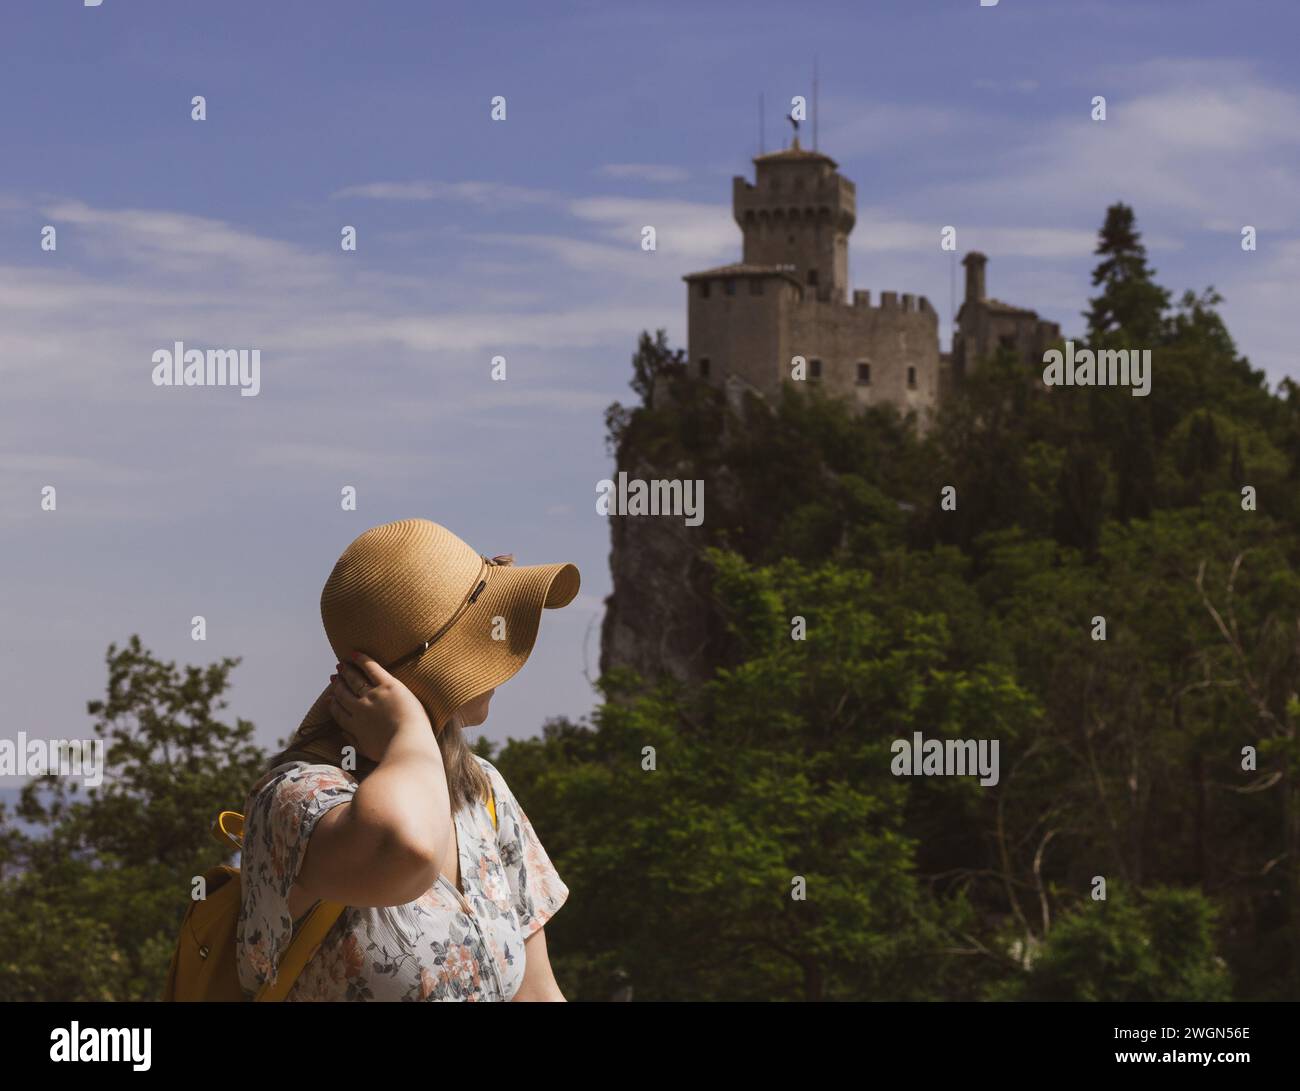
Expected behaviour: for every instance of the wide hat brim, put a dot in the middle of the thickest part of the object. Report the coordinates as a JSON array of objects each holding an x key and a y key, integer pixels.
[{"x": 486, "y": 647}]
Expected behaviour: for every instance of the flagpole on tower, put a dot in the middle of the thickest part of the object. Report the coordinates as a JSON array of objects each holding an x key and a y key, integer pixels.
[{"x": 814, "y": 119}]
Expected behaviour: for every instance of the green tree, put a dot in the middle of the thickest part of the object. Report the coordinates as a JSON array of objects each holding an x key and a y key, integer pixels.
[
  {"x": 106, "y": 873},
  {"x": 1156, "y": 947},
  {"x": 1081, "y": 491},
  {"x": 1135, "y": 464},
  {"x": 773, "y": 775},
  {"x": 1130, "y": 305}
]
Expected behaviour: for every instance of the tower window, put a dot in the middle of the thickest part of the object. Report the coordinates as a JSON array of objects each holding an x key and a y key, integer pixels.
[
  {"x": 911, "y": 377},
  {"x": 704, "y": 367},
  {"x": 864, "y": 374},
  {"x": 812, "y": 276},
  {"x": 814, "y": 369},
  {"x": 704, "y": 289},
  {"x": 755, "y": 285},
  {"x": 730, "y": 286}
]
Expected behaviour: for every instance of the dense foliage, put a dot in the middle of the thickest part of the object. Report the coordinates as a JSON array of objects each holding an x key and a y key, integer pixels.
[{"x": 1162, "y": 759}]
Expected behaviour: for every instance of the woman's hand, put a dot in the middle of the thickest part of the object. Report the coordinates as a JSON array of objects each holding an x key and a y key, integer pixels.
[
  {"x": 373, "y": 707},
  {"x": 385, "y": 845}
]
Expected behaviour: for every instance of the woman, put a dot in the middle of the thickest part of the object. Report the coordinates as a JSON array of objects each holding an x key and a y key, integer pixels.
[{"x": 379, "y": 804}]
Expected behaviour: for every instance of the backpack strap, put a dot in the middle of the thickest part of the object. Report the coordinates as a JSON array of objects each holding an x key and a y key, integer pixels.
[
  {"x": 301, "y": 948},
  {"x": 492, "y": 805}
]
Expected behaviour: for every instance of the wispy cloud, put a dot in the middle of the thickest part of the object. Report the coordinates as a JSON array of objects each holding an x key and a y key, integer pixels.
[
  {"x": 878, "y": 232},
  {"x": 405, "y": 346},
  {"x": 1198, "y": 149},
  {"x": 853, "y": 127},
  {"x": 645, "y": 172},
  {"x": 692, "y": 230},
  {"x": 480, "y": 193}
]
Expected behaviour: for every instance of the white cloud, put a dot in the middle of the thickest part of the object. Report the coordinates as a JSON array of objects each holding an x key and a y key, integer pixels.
[
  {"x": 1259, "y": 291},
  {"x": 691, "y": 230},
  {"x": 556, "y": 330},
  {"x": 627, "y": 260},
  {"x": 851, "y": 128},
  {"x": 1193, "y": 154},
  {"x": 346, "y": 352},
  {"x": 645, "y": 172},
  {"x": 877, "y": 232},
  {"x": 482, "y": 193}
]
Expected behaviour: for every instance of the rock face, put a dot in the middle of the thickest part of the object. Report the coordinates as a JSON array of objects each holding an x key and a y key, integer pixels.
[{"x": 659, "y": 621}]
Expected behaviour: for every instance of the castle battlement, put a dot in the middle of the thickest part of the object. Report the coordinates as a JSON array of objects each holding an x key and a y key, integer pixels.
[
  {"x": 794, "y": 199},
  {"x": 893, "y": 301}
]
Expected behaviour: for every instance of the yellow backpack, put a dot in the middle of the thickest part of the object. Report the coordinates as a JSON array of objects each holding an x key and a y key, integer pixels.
[{"x": 203, "y": 966}]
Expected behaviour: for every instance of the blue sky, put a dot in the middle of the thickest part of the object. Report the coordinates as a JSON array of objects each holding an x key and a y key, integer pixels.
[{"x": 520, "y": 238}]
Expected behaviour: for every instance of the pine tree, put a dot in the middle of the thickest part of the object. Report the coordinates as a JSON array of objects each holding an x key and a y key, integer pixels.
[{"x": 1131, "y": 304}]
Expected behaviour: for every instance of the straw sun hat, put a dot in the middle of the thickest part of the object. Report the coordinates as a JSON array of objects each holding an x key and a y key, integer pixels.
[{"x": 444, "y": 620}]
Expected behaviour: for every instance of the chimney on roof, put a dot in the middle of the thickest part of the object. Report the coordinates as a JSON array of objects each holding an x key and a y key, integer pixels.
[{"x": 975, "y": 263}]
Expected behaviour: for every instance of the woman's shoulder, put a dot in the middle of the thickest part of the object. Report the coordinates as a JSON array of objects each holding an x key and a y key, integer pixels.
[{"x": 302, "y": 778}]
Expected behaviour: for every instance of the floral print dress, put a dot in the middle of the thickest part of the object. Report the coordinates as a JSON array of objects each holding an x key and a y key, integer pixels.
[{"x": 442, "y": 946}]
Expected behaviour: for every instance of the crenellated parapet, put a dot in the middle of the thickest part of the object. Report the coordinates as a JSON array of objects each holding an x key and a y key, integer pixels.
[{"x": 905, "y": 302}]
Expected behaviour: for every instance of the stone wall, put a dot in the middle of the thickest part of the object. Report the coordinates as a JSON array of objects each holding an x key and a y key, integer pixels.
[
  {"x": 900, "y": 334},
  {"x": 742, "y": 334}
]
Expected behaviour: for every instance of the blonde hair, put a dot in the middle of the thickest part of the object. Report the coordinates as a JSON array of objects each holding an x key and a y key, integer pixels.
[{"x": 323, "y": 744}]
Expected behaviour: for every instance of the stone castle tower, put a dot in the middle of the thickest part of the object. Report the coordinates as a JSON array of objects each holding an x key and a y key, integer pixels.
[{"x": 789, "y": 296}]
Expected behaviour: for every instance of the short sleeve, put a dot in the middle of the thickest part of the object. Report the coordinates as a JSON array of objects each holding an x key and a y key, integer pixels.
[
  {"x": 279, "y": 816},
  {"x": 535, "y": 886}
]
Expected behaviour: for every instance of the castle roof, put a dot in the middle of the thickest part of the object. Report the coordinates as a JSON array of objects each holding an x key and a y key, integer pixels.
[
  {"x": 795, "y": 153},
  {"x": 998, "y": 307},
  {"x": 740, "y": 269}
]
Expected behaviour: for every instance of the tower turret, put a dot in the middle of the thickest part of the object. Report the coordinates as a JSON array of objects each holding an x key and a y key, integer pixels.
[
  {"x": 798, "y": 212},
  {"x": 975, "y": 263}
]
